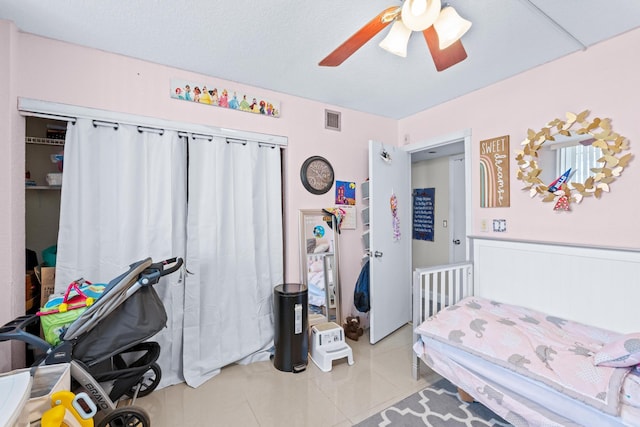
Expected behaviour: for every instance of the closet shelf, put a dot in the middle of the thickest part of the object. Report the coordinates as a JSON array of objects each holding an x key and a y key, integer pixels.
[
  {"x": 43, "y": 187},
  {"x": 365, "y": 216},
  {"x": 43, "y": 141},
  {"x": 365, "y": 190}
]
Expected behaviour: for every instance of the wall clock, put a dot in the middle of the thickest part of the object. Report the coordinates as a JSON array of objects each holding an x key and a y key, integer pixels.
[{"x": 316, "y": 174}]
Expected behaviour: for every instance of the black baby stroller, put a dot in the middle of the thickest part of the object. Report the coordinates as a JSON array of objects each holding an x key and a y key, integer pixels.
[{"x": 106, "y": 346}]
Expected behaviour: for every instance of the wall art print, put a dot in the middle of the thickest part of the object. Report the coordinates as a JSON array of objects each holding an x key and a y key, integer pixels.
[
  {"x": 345, "y": 193},
  {"x": 423, "y": 213},
  {"x": 224, "y": 97},
  {"x": 494, "y": 172}
]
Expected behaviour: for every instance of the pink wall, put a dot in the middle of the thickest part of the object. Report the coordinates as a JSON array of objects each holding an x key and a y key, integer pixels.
[
  {"x": 12, "y": 192},
  {"x": 603, "y": 79},
  {"x": 59, "y": 72}
]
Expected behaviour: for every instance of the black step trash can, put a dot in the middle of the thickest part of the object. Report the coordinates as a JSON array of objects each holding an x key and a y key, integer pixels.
[{"x": 291, "y": 337}]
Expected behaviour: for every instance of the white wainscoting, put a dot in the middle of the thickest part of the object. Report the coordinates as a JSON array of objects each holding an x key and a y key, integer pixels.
[{"x": 597, "y": 286}]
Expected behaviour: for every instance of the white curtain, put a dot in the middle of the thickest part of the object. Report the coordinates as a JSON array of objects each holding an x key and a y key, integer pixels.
[
  {"x": 235, "y": 253},
  {"x": 123, "y": 200}
]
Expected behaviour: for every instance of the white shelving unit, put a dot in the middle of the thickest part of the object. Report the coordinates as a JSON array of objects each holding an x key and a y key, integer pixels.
[
  {"x": 42, "y": 201},
  {"x": 365, "y": 216},
  {"x": 38, "y": 160},
  {"x": 42, "y": 187},
  {"x": 365, "y": 190},
  {"x": 43, "y": 141}
]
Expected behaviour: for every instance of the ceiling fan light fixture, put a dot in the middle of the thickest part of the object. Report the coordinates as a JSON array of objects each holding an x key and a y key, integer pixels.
[
  {"x": 421, "y": 21},
  {"x": 397, "y": 39},
  {"x": 418, "y": 7},
  {"x": 450, "y": 26}
]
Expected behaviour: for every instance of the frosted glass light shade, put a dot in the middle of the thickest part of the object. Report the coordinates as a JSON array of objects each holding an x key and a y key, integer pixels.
[
  {"x": 426, "y": 13},
  {"x": 397, "y": 39},
  {"x": 418, "y": 7},
  {"x": 450, "y": 27}
]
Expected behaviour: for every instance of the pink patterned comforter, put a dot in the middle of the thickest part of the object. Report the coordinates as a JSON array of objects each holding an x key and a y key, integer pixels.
[{"x": 555, "y": 351}]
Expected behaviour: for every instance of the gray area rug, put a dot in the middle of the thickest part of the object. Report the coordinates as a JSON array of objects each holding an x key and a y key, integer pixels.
[{"x": 438, "y": 406}]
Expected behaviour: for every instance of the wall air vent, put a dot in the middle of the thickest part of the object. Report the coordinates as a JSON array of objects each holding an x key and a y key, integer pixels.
[{"x": 332, "y": 120}]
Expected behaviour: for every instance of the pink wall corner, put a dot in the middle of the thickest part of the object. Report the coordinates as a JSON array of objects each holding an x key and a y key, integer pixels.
[
  {"x": 600, "y": 79},
  {"x": 12, "y": 210},
  {"x": 63, "y": 73}
]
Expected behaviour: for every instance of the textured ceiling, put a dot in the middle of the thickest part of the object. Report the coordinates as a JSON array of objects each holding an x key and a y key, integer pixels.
[{"x": 277, "y": 45}]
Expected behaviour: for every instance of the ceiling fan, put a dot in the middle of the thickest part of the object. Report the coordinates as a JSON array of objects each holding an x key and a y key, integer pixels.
[{"x": 441, "y": 27}]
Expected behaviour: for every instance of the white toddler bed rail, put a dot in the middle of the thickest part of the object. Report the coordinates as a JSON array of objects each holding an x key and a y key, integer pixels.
[{"x": 435, "y": 288}]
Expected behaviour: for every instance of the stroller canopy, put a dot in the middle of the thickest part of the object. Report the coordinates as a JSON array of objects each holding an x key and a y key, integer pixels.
[{"x": 127, "y": 313}]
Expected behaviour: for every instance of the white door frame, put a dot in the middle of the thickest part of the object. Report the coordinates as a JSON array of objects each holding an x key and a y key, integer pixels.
[
  {"x": 440, "y": 141},
  {"x": 456, "y": 199}
]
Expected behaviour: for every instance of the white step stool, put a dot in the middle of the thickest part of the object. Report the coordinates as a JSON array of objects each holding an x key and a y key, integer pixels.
[{"x": 327, "y": 345}]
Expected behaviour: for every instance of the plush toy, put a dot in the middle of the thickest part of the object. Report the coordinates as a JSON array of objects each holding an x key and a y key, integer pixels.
[{"x": 352, "y": 328}]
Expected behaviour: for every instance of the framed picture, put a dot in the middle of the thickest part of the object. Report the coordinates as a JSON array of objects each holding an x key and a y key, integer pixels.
[{"x": 345, "y": 193}]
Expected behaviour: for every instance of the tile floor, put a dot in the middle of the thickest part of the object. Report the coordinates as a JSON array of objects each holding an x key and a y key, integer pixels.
[{"x": 260, "y": 395}]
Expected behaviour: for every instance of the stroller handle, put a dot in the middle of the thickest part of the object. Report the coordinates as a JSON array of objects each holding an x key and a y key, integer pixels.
[
  {"x": 152, "y": 274},
  {"x": 16, "y": 330},
  {"x": 178, "y": 263}
]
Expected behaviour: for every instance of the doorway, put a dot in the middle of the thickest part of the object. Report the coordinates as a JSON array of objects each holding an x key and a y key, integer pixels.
[
  {"x": 441, "y": 167},
  {"x": 44, "y": 155},
  {"x": 389, "y": 168}
]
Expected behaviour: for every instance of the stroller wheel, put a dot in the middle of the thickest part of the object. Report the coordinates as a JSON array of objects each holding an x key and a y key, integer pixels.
[
  {"x": 148, "y": 382},
  {"x": 127, "y": 416}
]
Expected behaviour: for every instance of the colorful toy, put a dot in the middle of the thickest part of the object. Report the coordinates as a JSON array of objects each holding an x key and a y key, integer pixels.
[
  {"x": 60, "y": 311},
  {"x": 70, "y": 410}
]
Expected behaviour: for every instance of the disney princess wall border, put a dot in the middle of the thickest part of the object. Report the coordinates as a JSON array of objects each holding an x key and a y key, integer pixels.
[{"x": 223, "y": 97}]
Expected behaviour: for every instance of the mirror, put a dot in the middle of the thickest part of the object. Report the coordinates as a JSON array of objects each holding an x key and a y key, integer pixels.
[
  {"x": 575, "y": 154},
  {"x": 571, "y": 159},
  {"x": 319, "y": 265}
]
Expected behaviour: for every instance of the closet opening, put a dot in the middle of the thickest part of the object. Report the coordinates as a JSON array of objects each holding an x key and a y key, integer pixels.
[
  {"x": 123, "y": 196},
  {"x": 44, "y": 162},
  {"x": 441, "y": 170}
]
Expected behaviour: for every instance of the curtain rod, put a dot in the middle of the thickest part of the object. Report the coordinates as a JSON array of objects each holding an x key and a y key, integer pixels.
[
  {"x": 97, "y": 123},
  {"x": 69, "y": 113},
  {"x": 151, "y": 130},
  {"x": 53, "y": 116},
  {"x": 236, "y": 141},
  {"x": 141, "y": 129}
]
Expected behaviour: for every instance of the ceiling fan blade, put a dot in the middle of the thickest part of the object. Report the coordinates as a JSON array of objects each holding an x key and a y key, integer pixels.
[
  {"x": 357, "y": 40},
  {"x": 443, "y": 58}
]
